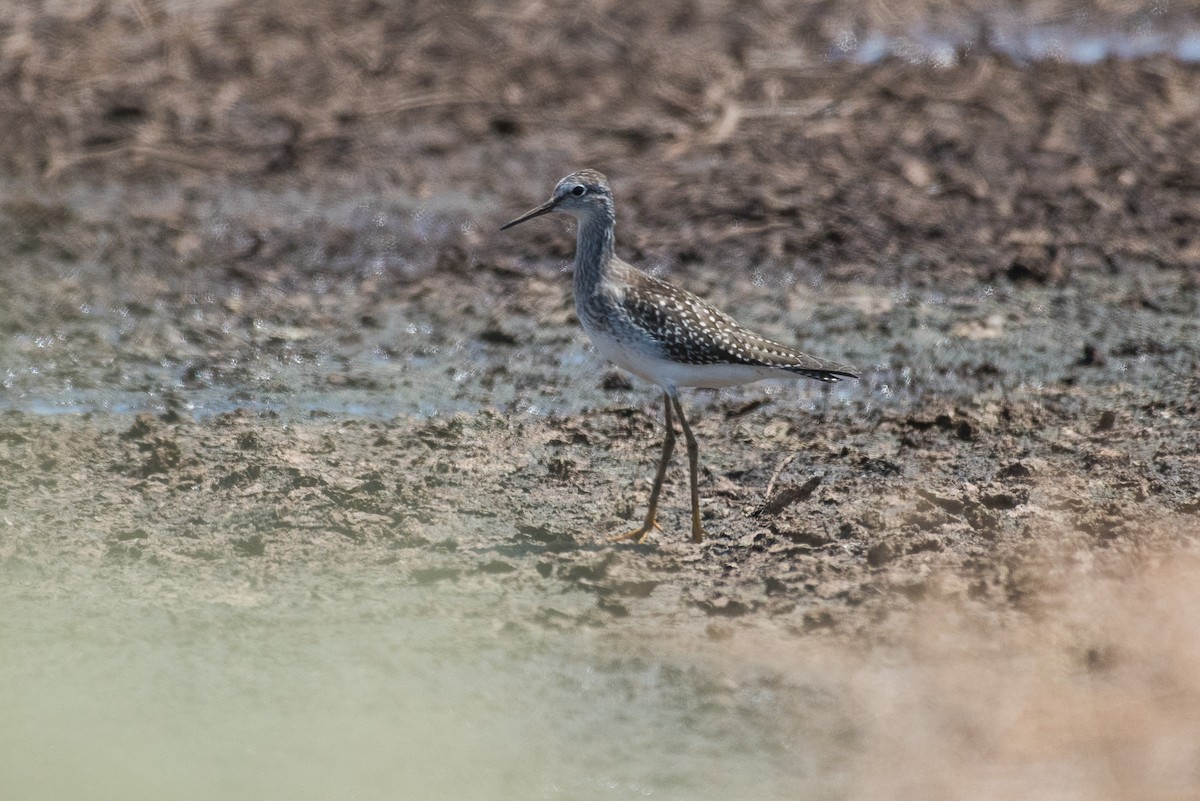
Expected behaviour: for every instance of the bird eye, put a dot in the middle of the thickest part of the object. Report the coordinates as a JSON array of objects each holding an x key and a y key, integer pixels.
[{"x": 578, "y": 191}]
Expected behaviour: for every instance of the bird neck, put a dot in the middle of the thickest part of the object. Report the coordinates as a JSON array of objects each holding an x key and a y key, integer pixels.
[{"x": 593, "y": 250}]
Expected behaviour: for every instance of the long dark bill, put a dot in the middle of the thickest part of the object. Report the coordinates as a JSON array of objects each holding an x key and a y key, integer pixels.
[{"x": 545, "y": 208}]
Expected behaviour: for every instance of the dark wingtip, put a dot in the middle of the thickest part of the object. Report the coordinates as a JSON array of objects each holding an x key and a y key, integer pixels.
[{"x": 828, "y": 376}]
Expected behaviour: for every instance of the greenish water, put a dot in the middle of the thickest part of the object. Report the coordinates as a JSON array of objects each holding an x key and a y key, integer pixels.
[{"x": 281, "y": 690}]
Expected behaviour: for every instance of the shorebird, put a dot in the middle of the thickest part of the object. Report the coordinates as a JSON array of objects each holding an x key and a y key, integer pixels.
[{"x": 659, "y": 332}]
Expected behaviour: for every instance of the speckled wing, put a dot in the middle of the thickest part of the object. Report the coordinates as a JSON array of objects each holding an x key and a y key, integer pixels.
[{"x": 693, "y": 332}]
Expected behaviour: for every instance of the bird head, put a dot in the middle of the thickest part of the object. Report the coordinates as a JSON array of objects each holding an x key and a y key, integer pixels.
[{"x": 583, "y": 194}]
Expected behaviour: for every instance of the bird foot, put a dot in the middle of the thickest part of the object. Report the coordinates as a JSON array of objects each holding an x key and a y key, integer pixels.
[{"x": 639, "y": 534}]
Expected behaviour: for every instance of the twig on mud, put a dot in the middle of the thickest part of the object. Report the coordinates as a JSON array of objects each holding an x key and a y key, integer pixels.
[
  {"x": 775, "y": 476},
  {"x": 57, "y": 167},
  {"x": 787, "y": 497},
  {"x": 735, "y": 231},
  {"x": 423, "y": 100}
]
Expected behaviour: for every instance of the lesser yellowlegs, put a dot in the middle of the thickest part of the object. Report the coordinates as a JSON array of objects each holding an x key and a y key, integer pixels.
[{"x": 659, "y": 332}]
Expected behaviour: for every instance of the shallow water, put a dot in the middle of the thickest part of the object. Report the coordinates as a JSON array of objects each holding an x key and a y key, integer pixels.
[
  {"x": 273, "y": 689},
  {"x": 927, "y": 344},
  {"x": 1079, "y": 41}
]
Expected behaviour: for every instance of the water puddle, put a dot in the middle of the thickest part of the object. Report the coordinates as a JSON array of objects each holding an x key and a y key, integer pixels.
[
  {"x": 932, "y": 346},
  {"x": 1079, "y": 40},
  {"x": 285, "y": 691}
]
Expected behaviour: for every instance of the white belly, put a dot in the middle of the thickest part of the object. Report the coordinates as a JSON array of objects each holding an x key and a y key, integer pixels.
[{"x": 650, "y": 366}]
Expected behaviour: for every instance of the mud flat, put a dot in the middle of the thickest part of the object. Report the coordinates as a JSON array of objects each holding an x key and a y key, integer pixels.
[{"x": 306, "y": 472}]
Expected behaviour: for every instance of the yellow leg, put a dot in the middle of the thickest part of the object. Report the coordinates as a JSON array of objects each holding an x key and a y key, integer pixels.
[
  {"x": 693, "y": 451},
  {"x": 640, "y": 533}
]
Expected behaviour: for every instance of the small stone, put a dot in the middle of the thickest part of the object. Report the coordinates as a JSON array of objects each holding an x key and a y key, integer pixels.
[
  {"x": 999, "y": 501},
  {"x": 1016, "y": 470},
  {"x": 614, "y": 381},
  {"x": 880, "y": 554},
  {"x": 723, "y": 607}
]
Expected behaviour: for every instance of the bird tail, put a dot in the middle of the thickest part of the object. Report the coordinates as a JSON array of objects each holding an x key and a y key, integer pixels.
[{"x": 828, "y": 376}]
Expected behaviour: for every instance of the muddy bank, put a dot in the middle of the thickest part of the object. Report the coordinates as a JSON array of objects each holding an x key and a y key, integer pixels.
[{"x": 834, "y": 517}]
